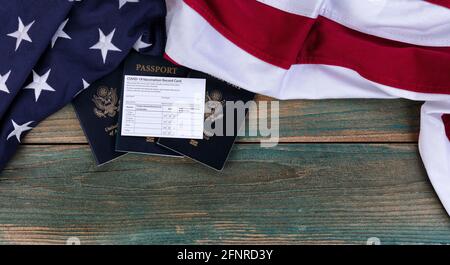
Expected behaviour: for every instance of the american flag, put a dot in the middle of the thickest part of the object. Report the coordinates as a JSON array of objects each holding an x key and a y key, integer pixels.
[
  {"x": 315, "y": 49},
  {"x": 53, "y": 49}
]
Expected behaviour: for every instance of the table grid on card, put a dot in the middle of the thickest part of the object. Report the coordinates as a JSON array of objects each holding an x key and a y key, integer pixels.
[{"x": 162, "y": 108}]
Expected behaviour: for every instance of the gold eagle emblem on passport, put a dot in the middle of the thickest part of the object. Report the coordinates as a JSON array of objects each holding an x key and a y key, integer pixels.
[
  {"x": 107, "y": 105},
  {"x": 106, "y": 102},
  {"x": 215, "y": 103}
]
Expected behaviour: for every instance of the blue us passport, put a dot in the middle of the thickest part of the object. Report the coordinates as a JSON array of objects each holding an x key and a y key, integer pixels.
[
  {"x": 98, "y": 108},
  {"x": 213, "y": 150},
  {"x": 144, "y": 65}
]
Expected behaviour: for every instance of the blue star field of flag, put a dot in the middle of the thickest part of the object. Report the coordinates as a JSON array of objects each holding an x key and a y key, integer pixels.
[{"x": 53, "y": 49}]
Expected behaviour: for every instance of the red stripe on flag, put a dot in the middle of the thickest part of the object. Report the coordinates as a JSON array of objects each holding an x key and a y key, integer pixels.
[
  {"x": 283, "y": 39},
  {"x": 167, "y": 57},
  {"x": 392, "y": 63},
  {"x": 446, "y": 119},
  {"x": 445, "y": 3},
  {"x": 270, "y": 34}
]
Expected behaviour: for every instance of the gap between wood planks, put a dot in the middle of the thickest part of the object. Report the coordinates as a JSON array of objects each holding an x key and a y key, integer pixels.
[{"x": 255, "y": 143}]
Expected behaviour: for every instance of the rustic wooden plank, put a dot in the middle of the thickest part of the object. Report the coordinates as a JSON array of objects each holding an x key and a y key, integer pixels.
[
  {"x": 300, "y": 121},
  {"x": 293, "y": 193}
]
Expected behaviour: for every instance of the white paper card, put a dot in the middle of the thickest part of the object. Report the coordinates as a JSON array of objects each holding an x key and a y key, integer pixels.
[{"x": 165, "y": 107}]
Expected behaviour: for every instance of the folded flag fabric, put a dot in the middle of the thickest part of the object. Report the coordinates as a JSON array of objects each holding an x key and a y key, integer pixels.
[
  {"x": 25, "y": 33},
  {"x": 315, "y": 49},
  {"x": 63, "y": 46}
]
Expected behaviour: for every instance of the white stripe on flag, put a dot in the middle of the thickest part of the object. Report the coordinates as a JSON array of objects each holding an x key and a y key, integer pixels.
[{"x": 411, "y": 21}]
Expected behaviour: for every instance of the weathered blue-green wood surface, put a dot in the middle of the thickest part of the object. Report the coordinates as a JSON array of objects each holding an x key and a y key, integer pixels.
[{"x": 346, "y": 171}]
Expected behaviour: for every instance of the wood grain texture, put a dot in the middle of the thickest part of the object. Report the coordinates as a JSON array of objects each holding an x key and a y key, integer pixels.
[
  {"x": 300, "y": 121},
  {"x": 293, "y": 193}
]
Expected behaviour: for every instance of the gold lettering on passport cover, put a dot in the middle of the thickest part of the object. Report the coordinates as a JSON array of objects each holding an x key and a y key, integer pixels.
[
  {"x": 193, "y": 143},
  {"x": 150, "y": 139},
  {"x": 156, "y": 69},
  {"x": 107, "y": 105},
  {"x": 112, "y": 130}
]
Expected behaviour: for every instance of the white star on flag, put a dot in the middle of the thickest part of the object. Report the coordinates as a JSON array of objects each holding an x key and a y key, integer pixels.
[
  {"x": 141, "y": 44},
  {"x": 85, "y": 84},
  {"x": 39, "y": 84},
  {"x": 123, "y": 2},
  {"x": 105, "y": 44},
  {"x": 22, "y": 33},
  {"x": 19, "y": 129},
  {"x": 60, "y": 33},
  {"x": 3, "y": 80}
]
